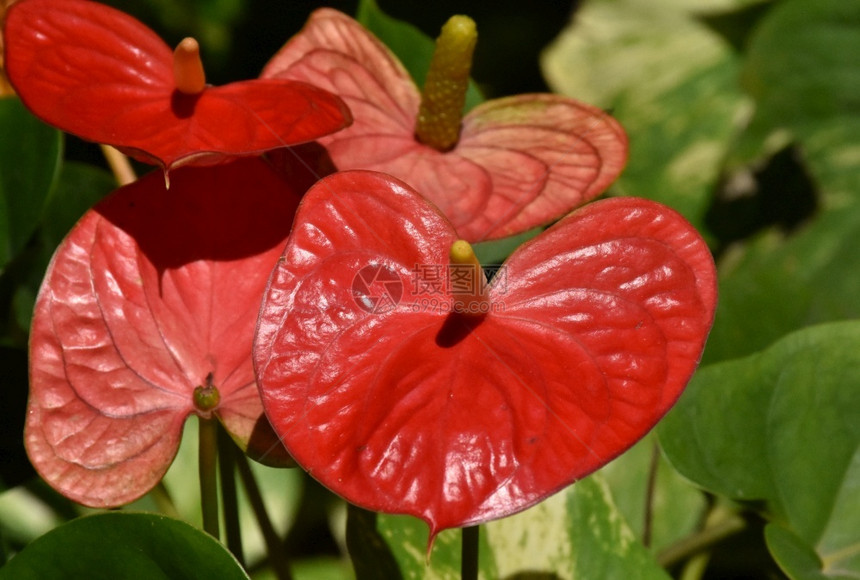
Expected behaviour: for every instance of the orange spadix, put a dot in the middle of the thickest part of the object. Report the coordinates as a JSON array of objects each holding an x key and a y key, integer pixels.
[
  {"x": 467, "y": 282},
  {"x": 188, "y": 71}
]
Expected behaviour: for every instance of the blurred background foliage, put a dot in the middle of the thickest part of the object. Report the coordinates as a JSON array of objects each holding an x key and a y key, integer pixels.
[
  {"x": 742, "y": 115},
  {"x": 239, "y": 36}
]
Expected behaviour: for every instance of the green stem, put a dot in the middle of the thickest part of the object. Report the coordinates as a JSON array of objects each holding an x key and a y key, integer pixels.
[
  {"x": 470, "y": 538},
  {"x": 229, "y": 499},
  {"x": 695, "y": 567},
  {"x": 369, "y": 551},
  {"x": 208, "y": 460},
  {"x": 164, "y": 502},
  {"x": 277, "y": 557},
  {"x": 649, "y": 494},
  {"x": 119, "y": 165},
  {"x": 721, "y": 527}
]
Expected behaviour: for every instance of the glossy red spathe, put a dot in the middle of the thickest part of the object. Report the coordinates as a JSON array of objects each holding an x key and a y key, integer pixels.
[
  {"x": 152, "y": 294},
  {"x": 384, "y": 395},
  {"x": 520, "y": 162},
  {"x": 94, "y": 71}
]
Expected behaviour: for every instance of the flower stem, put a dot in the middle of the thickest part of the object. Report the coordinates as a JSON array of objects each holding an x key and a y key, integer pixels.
[
  {"x": 277, "y": 557},
  {"x": 720, "y": 525},
  {"x": 470, "y": 537},
  {"x": 163, "y": 501},
  {"x": 695, "y": 567},
  {"x": 208, "y": 460},
  {"x": 444, "y": 92},
  {"x": 119, "y": 165},
  {"x": 229, "y": 499},
  {"x": 650, "y": 488}
]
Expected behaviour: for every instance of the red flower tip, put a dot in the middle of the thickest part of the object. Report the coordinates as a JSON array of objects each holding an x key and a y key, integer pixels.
[{"x": 188, "y": 71}]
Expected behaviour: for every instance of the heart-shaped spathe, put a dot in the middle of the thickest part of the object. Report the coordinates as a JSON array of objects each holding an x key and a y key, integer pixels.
[
  {"x": 393, "y": 401},
  {"x": 152, "y": 294}
]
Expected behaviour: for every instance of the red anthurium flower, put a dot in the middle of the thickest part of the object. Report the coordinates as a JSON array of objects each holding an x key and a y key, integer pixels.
[
  {"x": 96, "y": 72},
  {"x": 408, "y": 387},
  {"x": 153, "y": 295},
  {"x": 519, "y": 162}
]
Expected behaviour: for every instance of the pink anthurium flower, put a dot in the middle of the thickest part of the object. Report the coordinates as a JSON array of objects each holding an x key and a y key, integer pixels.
[
  {"x": 519, "y": 162},
  {"x": 145, "y": 316},
  {"x": 97, "y": 72},
  {"x": 403, "y": 383}
]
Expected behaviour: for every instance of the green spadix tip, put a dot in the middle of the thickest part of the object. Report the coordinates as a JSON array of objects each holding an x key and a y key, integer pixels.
[
  {"x": 444, "y": 93},
  {"x": 460, "y": 29},
  {"x": 206, "y": 398}
]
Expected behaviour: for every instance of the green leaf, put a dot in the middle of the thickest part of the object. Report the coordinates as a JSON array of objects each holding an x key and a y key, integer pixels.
[
  {"x": 802, "y": 72},
  {"x": 212, "y": 22},
  {"x": 801, "y": 69},
  {"x": 781, "y": 427},
  {"x": 80, "y": 186},
  {"x": 77, "y": 189},
  {"x": 405, "y": 539},
  {"x": 677, "y": 506},
  {"x": 30, "y": 157},
  {"x": 801, "y": 66},
  {"x": 497, "y": 251},
  {"x": 736, "y": 24},
  {"x": 605, "y": 547},
  {"x": 123, "y": 545},
  {"x": 412, "y": 47},
  {"x": 315, "y": 568},
  {"x": 669, "y": 80},
  {"x": 576, "y": 534},
  {"x": 777, "y": 285},
  {"x": 680, "y": 136},
  {"x": 794, "y": 557}
]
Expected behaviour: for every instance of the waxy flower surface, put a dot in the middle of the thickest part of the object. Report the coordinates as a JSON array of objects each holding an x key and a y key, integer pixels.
[
  {"x": 403, "y": 392},
  {"x": 154, "y": 294},
  {"x": 519, "y": 162},
  {"x": 96, "y": 72}
]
